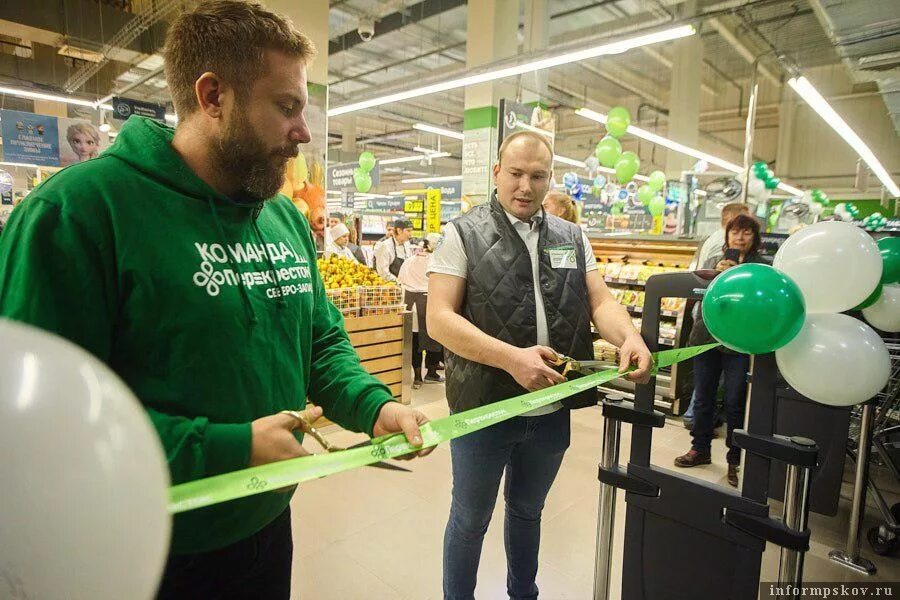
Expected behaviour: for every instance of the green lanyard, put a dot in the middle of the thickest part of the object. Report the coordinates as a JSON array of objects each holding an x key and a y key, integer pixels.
[{"x": 272, "y": 476}]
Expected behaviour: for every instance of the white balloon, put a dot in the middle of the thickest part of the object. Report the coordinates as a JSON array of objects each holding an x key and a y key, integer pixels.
[
  {"x": 836, "y": 360},
  {"x": 836, "y": 265},
  {"x": 83, "y": 511},
  {"x": 885, "y": 313}
]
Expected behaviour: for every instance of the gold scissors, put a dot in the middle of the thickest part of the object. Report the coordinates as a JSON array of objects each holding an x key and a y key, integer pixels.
[
  {"x": 582, "y": 367},
  {"x": 329, "y": 447}
]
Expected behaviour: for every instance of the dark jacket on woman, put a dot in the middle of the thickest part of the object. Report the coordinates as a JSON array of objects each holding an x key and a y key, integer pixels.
[{"x": 700, "y": 334}]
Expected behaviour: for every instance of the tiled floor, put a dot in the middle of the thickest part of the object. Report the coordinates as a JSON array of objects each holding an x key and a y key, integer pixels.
[{"x": 373, "y": 534}]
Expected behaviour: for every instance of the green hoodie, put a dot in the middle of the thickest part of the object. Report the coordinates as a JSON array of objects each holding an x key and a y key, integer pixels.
[{"x": 212, "y": 311}]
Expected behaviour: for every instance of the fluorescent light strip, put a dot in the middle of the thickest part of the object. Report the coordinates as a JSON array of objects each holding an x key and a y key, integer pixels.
[
  {"x": 577, "y": 163},
  {"x": 439, "y": 131},
  {"x": 405, "y": 159},
  {"x": 528, "y": 67},
  {"x": 538, "y": 130},
  {"x": 170, "y": 118},
  {"x": 15, "y": 164},
  {"x": 427, "y": 151},
  {"x": 673, "y": 145},
  {"x": 812, "y": 97},
  {"x": 432, "y": 179}
]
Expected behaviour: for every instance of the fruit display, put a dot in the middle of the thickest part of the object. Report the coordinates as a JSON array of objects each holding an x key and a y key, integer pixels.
[
  {"x": 381, "y": 295},
  {"x": 357, "y": 290},
  {"x": 368, "y": 311},
  {"x": 339, "y": 272}
]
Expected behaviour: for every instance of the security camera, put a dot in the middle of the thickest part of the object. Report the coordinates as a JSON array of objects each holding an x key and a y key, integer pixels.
[{"x": 366, "y": 29}]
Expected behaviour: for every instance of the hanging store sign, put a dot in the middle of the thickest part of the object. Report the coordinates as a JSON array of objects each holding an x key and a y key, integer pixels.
[
  {"x": 125, "y": 107},
  {"x": 340, "y": 177}
]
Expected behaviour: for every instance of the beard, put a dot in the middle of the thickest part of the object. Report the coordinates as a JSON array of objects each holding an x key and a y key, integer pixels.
[{"x": 258, "y": 169}]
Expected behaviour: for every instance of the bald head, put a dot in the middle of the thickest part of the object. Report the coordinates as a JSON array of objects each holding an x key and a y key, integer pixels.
[{"x": 522, "y": 173}]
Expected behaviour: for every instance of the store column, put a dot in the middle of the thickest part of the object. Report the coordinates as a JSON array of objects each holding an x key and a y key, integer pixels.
[
  {"x": 786, "y": 112},
  {"x": 492, "y": 26},
  {"x": 684, "y": 102},
  {"x": 537, "y": 36}
]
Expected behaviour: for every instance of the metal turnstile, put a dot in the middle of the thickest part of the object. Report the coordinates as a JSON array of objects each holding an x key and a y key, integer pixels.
[{"x": 686, "y": 538}]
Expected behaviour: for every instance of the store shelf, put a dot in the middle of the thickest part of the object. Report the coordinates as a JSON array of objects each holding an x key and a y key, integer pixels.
[
  {"x": 639, "y": 310},
  {"x": 624, "y": 281}
]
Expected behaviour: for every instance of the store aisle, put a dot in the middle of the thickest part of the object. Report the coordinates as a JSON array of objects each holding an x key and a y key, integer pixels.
[{"x": 372, "y": 534}]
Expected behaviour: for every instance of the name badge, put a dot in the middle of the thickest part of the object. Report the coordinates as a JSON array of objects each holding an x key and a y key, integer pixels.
[{"x": 562, "y": 257}]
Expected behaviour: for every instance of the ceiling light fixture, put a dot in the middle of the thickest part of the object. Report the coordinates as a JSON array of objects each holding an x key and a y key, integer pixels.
[
  {"x": 170, "y": 118},
  {"x": 577, "y": 163},
  {"x": 527, "y": 67},
  {"x": 432, "y": 179},
  {"x": 673, "y": 145},
  {"x": 439, "y": 131},
  {"x": 812, "y": 97},
  {"x": 405, "y": 159}
]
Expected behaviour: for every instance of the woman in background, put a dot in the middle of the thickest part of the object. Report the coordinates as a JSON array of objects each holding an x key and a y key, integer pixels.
[
  {"x": 413, "y": 278},
  {"x": 742, "y": 243},
  {"x": 559, "y": 204}
]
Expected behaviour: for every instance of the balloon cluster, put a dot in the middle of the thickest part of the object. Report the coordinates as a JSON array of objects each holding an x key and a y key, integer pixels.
[
  {"x": 874, "y": 222},
  {"x": 362, "y": 179},
  {"x": 766, "y": 175},
  {"x": 846, "y": 211},
  {"x": 793, "y": 308},
  {"x": 649, "y": 195},
  {"x": 573, "y": 185},
  {"x": 609, "y": 150},
  {"x": 819, "y": 197}
]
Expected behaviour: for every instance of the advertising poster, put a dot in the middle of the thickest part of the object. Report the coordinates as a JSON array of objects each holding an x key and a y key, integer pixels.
[
  {"x": 79, "y": 140},
  {"x": 29, "y": 138},
  {"x": 515, "y": 116}
]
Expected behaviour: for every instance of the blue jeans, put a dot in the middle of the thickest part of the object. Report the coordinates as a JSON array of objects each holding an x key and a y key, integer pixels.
[
  {"x": 530, "y": 451},
  {"x": 707, "y": 369}
]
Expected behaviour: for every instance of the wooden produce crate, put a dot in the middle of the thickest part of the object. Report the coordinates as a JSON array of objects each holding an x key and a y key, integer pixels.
[{"x": 384, "y": 345}]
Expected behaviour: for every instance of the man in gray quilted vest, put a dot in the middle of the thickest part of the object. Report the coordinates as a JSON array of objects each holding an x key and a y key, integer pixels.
[{"x": 509, "y": 286}]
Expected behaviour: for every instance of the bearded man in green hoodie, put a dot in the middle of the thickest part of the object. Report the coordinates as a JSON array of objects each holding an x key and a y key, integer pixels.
[{"x": 173, "y": 259}]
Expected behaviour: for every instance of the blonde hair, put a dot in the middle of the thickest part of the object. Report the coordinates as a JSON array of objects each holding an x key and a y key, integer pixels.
[
  {"x": 542, "y": 139},
  {"x": 733, "y": 209},
  {"x": 569, "y": 212},
  {"x": 228, "y": 38},
  {"x": 83, "y": 129}
]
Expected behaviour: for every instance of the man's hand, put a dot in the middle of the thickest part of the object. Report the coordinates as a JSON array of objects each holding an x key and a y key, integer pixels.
[
  {"x": 634, "y": 351},
  {"x": 273, "y": 437},
  {"x": 529, "y": 368},
  {"x": 394, "y": 417}
]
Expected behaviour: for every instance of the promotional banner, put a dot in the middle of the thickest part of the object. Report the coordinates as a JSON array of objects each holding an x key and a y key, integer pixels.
[
  {"x": 29, "y": 138},
  {"x": 433, "y": 211}
]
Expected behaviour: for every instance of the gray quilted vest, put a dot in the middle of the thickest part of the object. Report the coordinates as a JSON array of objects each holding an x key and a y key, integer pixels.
[{"x": 499, "y": 301}]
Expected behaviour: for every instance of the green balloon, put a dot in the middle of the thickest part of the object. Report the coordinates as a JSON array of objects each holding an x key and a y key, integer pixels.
[
  {"x": 645, "y": 194},
  {"x": 627, "y": 166},
  {"x": 362, "y": 180},
  {"x": 657, "y": 206},
  {"x": 890, "y": 259},
  {"x": 608, "y": 151},
  {"x": 617, "y": 121},
  {"x": 753, "y": 309},
  {"x": 872, "y": 299},
  {"x": 771, "y": 184},
  {"x": 657, "y": 180},
  {"x": 366, "y": 161}
]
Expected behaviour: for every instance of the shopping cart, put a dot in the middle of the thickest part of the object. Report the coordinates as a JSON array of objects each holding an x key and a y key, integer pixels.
[{"x": 883, "y": 452}]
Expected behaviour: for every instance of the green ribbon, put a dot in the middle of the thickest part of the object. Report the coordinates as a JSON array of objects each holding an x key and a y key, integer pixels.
[{"x": 272, "y": 476}]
